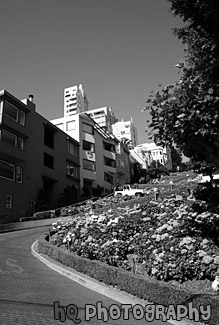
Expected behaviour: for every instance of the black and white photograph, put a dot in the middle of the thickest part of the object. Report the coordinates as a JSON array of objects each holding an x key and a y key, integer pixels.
[{"x": 109, "y": 162}]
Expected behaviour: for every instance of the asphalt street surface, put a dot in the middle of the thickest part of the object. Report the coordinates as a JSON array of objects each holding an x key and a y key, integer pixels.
[{"x": 31, "y": 292}]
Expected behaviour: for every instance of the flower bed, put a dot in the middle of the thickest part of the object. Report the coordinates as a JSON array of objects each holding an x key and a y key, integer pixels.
[
  {"x": 144, "y": 287},
  {"x": 166, "y": 240}
]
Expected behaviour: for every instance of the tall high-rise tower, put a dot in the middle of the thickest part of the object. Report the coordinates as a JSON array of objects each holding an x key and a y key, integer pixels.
[
  {"x": 75, "y": 100},
  {"x": 126, "y": 130},
  {"x": 103, "y": 116}
]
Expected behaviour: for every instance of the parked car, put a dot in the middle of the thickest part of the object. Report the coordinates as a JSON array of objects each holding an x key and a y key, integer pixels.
[{"x": 129, "y": 190}]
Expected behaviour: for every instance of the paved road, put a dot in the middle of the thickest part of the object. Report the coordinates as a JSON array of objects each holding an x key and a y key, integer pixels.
[{"x": 28, "y": 288}]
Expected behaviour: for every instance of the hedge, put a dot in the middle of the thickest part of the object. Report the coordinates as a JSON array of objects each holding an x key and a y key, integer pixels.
[{"x": 142, "y": 287}]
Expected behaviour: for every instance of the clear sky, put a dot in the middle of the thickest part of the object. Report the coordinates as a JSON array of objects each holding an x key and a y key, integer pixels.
[{"x": 119, "y": 50}]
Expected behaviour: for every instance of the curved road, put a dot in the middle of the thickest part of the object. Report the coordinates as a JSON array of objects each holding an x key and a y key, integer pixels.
[{"x": 28, "y": 288}]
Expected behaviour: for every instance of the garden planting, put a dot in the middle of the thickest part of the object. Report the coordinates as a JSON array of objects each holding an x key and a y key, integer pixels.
[
  {"x": 166, "y": 239},
  {"x": 161, "y": 249}
]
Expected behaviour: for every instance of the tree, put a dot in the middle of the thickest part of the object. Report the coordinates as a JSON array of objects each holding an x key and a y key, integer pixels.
[
  {"x": 200, "y": 165},
  {"x": 156, "y": 169},
  {"x": 187, "y": 112},
  {"x": 136, "y": 172},
  {"x": 126, "y": 142},
  {"x": 204, "y": 168},
  {"x": 176, "y": 158},
  {"x": 200, "y": 34}
]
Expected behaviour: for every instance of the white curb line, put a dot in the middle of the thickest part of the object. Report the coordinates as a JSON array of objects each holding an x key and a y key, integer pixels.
[{"x": 112, "y": 293}]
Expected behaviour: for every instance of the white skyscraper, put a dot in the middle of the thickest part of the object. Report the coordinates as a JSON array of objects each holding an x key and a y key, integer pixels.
[
  {"x": 75, "y": 100},
  {"x": 103, "y": 116},
  {"x": 126, "y": 130}
]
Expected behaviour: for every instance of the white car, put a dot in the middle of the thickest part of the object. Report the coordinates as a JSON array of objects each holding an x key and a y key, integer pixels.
[{"x": 129, "y": 190}]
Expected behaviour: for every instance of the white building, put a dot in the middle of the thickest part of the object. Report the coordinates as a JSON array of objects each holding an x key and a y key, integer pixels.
[
  {"x": 75, "y": 100},
  {"x": 151, "y": 152},
  {"x": 103, "y": 116},
  {"x": 138, "y": 157},
  {"x": 97, "y": 150},
  {"x": 126, "y": 130}
]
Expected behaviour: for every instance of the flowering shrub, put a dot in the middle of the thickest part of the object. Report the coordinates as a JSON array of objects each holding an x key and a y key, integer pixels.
[{"x": 166, "y": 240}]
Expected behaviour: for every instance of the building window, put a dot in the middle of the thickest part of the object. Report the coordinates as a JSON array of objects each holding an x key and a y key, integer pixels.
[
  {"x": 10, "y": 111},
  {"x": 20, "y": 143},
  {"x": 48, "y": 138},
  {"x": 70, "y": 125},
  {"x": 118, "y": 148},
  {"x": 15, "y": 114},
  {"x": 89, "y": 165},
  {"x": 72, "y": 149},
  {"x": 89, "y": 146},
  {"x": 109, "y": 162},
  {"x": 72, "y": 170},
  {"x": 22, "y": 118},
  {"x": 72, "y": 110},
  {"x": 48, "y": 160},
  {"x": 9, "y": 137},
  {"x": 108, "y": 146},
  {"x": 108, "y": 178},
  {"x": 87, "y": 128},
  {"x": 19, "y": 174},
  {"x": 7, "y": 170},
  {"x": 8, "y": 201},
  {"x": 12, "y": 139},
  {"x": 99, "y": 113}
]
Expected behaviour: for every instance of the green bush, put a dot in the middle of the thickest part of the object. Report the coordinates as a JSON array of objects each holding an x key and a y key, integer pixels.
[
  {"x": 199, "y": 206},
  {"x": 207, "y": 193},
  {"x": 57, "y": 212},
  {"x": 157, "y": 292}
]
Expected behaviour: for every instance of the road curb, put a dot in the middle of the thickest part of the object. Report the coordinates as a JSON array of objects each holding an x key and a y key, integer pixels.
[{"x": 113, "y": 293}]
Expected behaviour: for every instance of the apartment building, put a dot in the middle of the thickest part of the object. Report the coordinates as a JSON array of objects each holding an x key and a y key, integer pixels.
[
  {"x": 126, "y": 130},
  {"x": 98, "y": 151},
  {"x": 106, "y": 160},
  {"x": 103, "y": 116},
  {"x": 37, "y": 160},
  {"x": 75, "y": 100}
]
